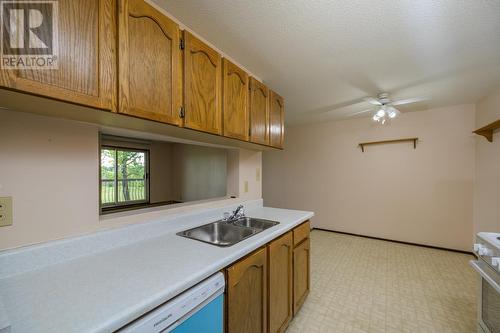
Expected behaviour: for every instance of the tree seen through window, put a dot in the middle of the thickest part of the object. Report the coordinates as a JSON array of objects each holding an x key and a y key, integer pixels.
[{"x": 123, "y": 176}]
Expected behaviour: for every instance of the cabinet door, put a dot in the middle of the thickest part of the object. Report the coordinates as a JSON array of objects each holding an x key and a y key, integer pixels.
[
  {"x": 202, "y": 86},
  {"x": 247, "y": 294},
  {"x": 148, "y": 63},
  {"x": 280, "y": 283},
  {"x": 259, "y": 112},
  {"x": 86, "y": 72},
  {"x": 235, "y": 101},
  {"x": 276, "y": 120},
  {"x": 301, "y": 274}
]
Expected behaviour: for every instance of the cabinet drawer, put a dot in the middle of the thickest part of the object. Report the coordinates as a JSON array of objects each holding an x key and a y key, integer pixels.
[{"x": 301, "y": 232}]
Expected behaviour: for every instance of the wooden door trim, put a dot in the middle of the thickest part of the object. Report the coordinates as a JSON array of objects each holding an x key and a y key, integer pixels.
[
  {"x": 237, "y": 73},
  {"x": 214, "y": 63}
]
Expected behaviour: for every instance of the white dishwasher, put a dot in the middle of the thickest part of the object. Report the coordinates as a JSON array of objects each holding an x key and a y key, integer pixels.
[{"x": 199, "y": 309}]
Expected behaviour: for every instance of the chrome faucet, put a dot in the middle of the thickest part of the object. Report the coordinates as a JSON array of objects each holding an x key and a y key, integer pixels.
[{"x": 237, "y": 214}]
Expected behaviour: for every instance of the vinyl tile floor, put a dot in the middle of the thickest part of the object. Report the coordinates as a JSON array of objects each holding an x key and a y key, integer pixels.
[{"x": 366, "y": 285}]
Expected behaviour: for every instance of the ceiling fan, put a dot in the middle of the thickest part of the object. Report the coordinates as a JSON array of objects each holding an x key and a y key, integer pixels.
[{"x": 385, "y": 107}]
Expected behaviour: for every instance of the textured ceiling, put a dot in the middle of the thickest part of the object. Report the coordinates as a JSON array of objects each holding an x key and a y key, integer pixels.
[{"x": 325, "y": 56}]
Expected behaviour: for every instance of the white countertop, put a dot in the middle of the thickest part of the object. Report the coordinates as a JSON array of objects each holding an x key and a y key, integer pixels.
[
  {"x": 101, "y": 292},
  {"x": 492, "y": 237}
]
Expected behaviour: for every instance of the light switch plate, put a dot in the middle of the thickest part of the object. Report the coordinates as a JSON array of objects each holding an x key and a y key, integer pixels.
[
  {"x": 5, "y": 211},
  {"x": 246, "y": 186},
  {"x": 257, "y": 175}
]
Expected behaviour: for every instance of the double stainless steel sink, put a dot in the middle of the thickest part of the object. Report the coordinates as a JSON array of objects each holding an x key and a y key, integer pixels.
[{"x": 225, "y": 233}]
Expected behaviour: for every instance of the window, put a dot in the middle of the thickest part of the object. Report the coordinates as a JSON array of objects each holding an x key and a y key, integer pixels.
[
  {"x": 137, "y": 173},
  {"x": 124, "y": 176}
]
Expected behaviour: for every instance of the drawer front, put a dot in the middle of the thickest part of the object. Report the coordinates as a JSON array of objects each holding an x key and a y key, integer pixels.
[{"x": 301, "y": 232}]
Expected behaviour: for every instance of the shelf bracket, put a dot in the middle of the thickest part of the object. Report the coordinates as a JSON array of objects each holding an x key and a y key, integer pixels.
[
  {"x": 487, "y": 131},
  {"x": 488, "y": 134}
]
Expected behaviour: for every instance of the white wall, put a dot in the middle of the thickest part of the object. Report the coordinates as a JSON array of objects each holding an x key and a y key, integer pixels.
[
  {"x": 487, "y": 187},
  {"x": 200, "y": 172},
  {"x": 250, "y": 172},
  {"x": 391, "y": 191},
  {"x": 50, "y": 168},
  {"x": 161, "y": 187}
]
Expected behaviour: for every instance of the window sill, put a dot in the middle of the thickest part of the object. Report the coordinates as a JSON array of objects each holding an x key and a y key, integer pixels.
[
  {"x": 146, "y": 211},
  {"x": 125, "y": 208}
]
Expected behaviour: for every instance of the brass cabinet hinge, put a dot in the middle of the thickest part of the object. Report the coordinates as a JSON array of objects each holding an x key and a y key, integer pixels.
[
  {"x": 182, "y": 113},
  {"x": 181, "y": 44}
]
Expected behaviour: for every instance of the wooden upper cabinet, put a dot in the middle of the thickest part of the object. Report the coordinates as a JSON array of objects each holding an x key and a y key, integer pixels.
[
  {"x": 276, "y": 120},
  {"x": 247, "y": 294},
  {"x": 202, "y": 86},
  {"x": 280, "y": 283},
  {"x": 235, "y": 101},
  {"x": 86, "y": 72},
  {"x": 149, "y": 63},
  {"x": 259, "y": 112}
]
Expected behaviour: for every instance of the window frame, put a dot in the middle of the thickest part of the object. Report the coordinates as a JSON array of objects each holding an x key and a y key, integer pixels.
[{"x": 116, "y": 206}]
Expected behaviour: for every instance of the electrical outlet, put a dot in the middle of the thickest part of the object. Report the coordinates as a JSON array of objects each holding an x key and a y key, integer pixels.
[
  {"x": 245, "y": 186},
  {"x": 5, "y": 211},
  {"x": 257, "y": 175}
]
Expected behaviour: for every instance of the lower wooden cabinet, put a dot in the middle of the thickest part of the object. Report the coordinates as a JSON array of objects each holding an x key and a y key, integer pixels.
[
  {"x": 247, "y": 294},
  {"x": 301, "y": 274},
  {"x": 266, "y": 289},
  {"x": 280, "y": 253}
]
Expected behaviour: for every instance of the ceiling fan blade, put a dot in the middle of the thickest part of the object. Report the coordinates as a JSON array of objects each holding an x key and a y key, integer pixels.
[
  {"x": 409, "y": 100},
  {"x": 372, "y": 100},
  {"x": 360, "y": 112}
]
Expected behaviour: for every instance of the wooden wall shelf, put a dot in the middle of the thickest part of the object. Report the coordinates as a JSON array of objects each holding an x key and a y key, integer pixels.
[
  {"x": 363, "y": 144},
  {"x": 487, "y": 131}
]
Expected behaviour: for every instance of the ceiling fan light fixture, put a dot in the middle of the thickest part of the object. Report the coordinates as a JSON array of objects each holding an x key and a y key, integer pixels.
[
  {"x": 384, "y": 110},
  {"x": 384, "y": 114}
]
